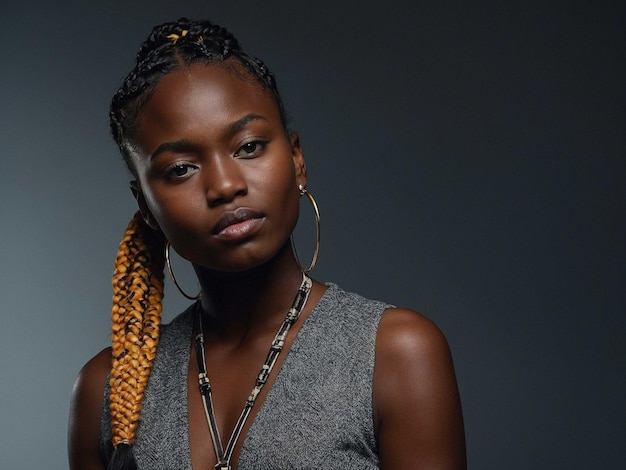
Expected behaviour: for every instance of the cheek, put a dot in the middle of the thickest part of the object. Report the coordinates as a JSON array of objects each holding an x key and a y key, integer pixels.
[
  {"x": 286, "y": 200},
  {"x": 277, "y": 182},
  {"x": 174, "y": 211}
]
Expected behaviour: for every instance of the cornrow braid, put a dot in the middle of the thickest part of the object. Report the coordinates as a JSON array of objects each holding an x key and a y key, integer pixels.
[
  {"x": 136, "y": 315},
  {"x": 169, "y": 47}
]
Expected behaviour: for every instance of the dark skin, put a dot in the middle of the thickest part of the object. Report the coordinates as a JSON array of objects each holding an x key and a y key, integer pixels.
[{"x": 208, "y": 143}]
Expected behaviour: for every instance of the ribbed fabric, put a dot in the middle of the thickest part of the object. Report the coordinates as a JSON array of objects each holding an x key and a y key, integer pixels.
[{"x": 318, "y": 413}]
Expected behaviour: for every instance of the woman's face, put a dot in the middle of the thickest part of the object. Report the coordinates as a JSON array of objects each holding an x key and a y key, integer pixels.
[{"x": 216, "y": 171}]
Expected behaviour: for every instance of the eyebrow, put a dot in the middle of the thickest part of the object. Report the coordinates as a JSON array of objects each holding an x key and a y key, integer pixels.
[
  {"x": 243, "y": 122},
  {"x": 182, "y": 146}
]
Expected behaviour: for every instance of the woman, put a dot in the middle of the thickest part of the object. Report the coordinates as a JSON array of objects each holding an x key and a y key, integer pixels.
[{"x": 217, "y": 177}]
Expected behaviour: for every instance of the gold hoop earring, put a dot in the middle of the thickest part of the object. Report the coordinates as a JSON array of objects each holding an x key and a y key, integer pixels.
[
  {"x": 169, "y": 269},
  {"x": 304, "y": 192}
]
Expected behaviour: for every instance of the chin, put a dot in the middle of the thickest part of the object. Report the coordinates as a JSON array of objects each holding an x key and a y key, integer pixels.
[{"x": 230, "y": 268}]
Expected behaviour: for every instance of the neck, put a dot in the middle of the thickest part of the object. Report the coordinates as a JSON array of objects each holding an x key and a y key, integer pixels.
[{"x": 237, "y": 304}]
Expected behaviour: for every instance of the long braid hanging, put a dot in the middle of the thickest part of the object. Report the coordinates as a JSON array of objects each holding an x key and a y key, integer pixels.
[
  {"x": 138, "y": 278},
  {"x": 136, "y": 315}
]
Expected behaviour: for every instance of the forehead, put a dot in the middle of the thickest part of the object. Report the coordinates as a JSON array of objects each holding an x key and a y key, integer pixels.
[{"x": 205, "y": 95}]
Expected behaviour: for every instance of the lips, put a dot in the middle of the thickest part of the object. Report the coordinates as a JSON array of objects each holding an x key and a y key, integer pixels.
[{"x": 238, "y": 218}]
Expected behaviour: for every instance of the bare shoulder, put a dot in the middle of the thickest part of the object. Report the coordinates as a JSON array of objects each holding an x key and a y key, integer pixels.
[
  {"x": 403, "y": 332},
  {"x": 85, "y": 411},
  {"x": 91, "y": 380},
  {"x": 417, "y": 411}
]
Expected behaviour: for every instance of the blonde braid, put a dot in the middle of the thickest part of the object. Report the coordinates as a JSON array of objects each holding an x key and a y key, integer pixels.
[{"x": 136, "y": 315}]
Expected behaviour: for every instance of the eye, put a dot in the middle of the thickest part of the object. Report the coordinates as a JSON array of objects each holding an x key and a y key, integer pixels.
[
  {"x": 179, "y": 170},
  {"x": 250, "y": 149}
]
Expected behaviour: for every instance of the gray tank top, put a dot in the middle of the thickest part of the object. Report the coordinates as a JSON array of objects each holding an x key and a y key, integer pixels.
[{"x": 318, "y": 413}]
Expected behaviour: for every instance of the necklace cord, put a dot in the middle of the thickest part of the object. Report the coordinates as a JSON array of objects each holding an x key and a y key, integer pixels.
[
  {"x": 223, "y": 458},
  {"x": 205, "y": 391}
]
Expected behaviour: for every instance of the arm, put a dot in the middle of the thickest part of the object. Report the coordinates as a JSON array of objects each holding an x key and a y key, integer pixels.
[
  {"x": 85, "y": 412},
  {"x": 417, "y": 410}
]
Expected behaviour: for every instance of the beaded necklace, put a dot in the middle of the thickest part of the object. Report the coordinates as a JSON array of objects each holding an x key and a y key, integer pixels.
[{"x": 223, "y": 457}]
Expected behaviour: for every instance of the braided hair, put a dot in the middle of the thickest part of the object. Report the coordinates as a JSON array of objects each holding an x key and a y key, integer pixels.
[
  {"x": 169, "y": 47},
  {"x": 138, "y": 275}
]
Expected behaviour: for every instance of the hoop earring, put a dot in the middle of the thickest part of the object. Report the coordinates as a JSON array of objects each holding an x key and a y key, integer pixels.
[
  {"x": 169, "y": 269},
  {"x": 305, "y": 192}
]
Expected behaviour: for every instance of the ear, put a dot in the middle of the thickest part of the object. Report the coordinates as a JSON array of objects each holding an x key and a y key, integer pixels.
[
  {"x": 298, "y": 158},
  {"x": 143, "y": 206}
]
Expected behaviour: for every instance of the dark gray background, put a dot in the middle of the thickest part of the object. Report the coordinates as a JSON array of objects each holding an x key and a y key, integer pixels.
[{"x": 468, "y": 159}]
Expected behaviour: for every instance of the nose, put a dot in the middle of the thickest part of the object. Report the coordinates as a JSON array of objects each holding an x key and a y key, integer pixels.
[{"x": 224, "y": 180}]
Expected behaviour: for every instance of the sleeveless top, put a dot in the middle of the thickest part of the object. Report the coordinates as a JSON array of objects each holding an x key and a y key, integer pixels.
[{"x": 317, "y": 414}]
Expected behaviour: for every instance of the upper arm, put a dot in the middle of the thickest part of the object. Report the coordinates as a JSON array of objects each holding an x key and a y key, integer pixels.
[
  {"x": 85, "y": 412},
  {"x": 417, "y": 411}
]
